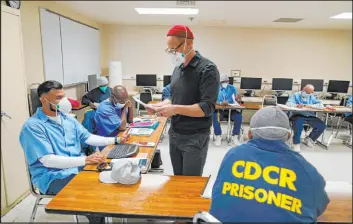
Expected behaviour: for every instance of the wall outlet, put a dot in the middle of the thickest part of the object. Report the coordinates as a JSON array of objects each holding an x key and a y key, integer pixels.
[
  {"x": 296, "y": 81},
  {"x": 129, "y": 77},
  {"x": 160, "y": 77}
]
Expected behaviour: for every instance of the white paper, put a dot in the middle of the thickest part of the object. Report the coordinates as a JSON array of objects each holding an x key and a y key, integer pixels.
[
  {"x": 142, "y": 103},
  {"x": 207, "y": 193},
  {"x": 338, "y": 187},
  {"x": 289, "y": 108}
]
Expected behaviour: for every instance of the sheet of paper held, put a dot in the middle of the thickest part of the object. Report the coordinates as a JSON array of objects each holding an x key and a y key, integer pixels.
[
  {"x": 289, "y": 108},
  {"x": 207, "y": 191},
  {"x": 142, "y": 103}
]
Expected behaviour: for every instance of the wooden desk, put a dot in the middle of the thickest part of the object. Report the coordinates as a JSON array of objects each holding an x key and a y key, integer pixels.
[
  {"x": 155, "y": 137},
  {"x": 156, "y": 197}
]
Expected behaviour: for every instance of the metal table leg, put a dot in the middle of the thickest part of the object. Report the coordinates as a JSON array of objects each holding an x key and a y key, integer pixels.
[
  {"x": 228, "y": 128},
  {"x": 322, "y": 142}
]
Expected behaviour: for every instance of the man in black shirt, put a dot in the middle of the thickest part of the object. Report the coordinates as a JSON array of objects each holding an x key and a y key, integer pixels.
[
  {"x": 97, "y": 95},
  {"x": 194, "y": 90}
]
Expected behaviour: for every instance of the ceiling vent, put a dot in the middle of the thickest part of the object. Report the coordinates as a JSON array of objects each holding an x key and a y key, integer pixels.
[
  {"x": 287, "y": 20},
  {"x": 186, "y": 3}
]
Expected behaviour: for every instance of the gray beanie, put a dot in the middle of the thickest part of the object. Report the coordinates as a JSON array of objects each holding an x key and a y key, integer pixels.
[{"x": 270, "y": 123}]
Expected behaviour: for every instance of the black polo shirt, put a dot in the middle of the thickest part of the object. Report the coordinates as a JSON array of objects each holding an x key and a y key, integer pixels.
[{"x": 198, "y": 82}]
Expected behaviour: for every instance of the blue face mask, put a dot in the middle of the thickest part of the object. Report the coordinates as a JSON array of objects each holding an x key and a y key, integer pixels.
[
  {"x": 305, "y": 95},
  {"x": 119, "y": 105},
  {"x": 103, "y": 88}
]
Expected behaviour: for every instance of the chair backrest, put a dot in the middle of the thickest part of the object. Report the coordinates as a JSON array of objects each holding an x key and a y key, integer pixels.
[
  {"x": 204, "y": 217},
  {"x": 282, "y": 99},
  {"x": 269, "y": 100},
  {"x": 146, "y": 98},
  {"x": 33, "y": 98}
]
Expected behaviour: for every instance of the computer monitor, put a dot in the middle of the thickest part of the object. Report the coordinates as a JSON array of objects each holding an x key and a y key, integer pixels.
[
  {"x": 146, "y": 80},
  {"x": 231, "y": 80},
  {"x": 337, "y": 86},
  {"x": 282, "y": 84},
  {"x": 317, "y": 83},
  {"x": 166, "y": 80},
  {"x": 250, "y": 83}
]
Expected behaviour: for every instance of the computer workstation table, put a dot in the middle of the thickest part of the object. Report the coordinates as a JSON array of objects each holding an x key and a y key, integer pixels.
[
  {"x": 156, "y": 197},
  {"x": 253, "y": 106},
  {"x": 258, "y": 99},
  {"x": 155, "y": 137}
]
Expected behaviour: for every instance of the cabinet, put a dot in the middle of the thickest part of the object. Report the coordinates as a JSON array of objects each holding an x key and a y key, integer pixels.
[{"x": 14, "y": 182}]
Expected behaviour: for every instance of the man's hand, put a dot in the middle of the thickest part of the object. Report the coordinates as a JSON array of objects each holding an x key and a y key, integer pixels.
[
  {"x": 300, "y": 105},
  {"x": 166, "y": 110},
  {"x": 92, "y": 106},
  {"x": 128, "y": 104},
  {"x": 152, "y": 108},
  {"x": 125, "y": 137},
  {"x": 224, "y": 103},
  {"x": 95, "y": 158}
]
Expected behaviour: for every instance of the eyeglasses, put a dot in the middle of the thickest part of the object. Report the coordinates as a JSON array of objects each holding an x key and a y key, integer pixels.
[{"x": 173, "y": 50}]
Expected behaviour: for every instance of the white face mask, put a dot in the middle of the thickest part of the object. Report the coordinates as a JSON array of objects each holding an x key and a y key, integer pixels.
[
  {"x": 224, "y": 85},
  {"x": 178, "y": 59},
  {"x": 63, "y": 106},
  {"x": 272, "y": 127},
  {"x": 119, "y": 105}
]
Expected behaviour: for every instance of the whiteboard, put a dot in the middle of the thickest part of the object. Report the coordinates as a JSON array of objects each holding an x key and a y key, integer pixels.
[
  {"x": 51, "y": 46},
  {"x": 70, "y": 49}
]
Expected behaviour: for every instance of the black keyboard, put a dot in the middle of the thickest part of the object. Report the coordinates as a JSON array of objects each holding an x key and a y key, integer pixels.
[{"x": 123, "y": 151}]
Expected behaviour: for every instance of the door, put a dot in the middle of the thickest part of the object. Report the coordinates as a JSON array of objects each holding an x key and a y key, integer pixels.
[{"x": 14, "y": 105}]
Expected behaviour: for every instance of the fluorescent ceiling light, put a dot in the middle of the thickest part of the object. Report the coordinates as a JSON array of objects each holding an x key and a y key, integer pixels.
[
  {"x": 345, "y": 15},
  {"x": 167, "y": 11}
]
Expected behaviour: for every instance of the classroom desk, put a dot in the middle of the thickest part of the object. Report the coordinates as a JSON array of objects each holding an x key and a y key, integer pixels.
[
  {"x": 155, "y": 137},
  {"x": 253, "y": 106},
  {"x": 156, "y": 197},
  {"x": 258, "y": 99}
]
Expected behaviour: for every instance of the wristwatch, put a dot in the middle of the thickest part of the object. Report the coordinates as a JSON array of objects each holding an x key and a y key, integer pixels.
[{"x": 117, "y": 141}]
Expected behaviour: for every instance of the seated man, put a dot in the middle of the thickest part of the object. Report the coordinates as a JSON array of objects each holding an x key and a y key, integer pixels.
[
  {"x": 227, "y": 95},
  {"x": 97, "y": 95},
  {"x": 166, "y": 92},
  {"x": 264, "y": 180},
  {"x": 51, "y": 141},
  {"x": 114, "y": 113},
  {"x": 305, "y": 99}
]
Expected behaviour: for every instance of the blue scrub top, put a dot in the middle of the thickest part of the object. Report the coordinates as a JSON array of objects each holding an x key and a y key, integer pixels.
[
  {"x": 166, "y": 92},
  {"x": 265, "y": 181},
  {"x": 41, "y": 136},
  {"x": 107, "y": 119},
  {"x": 226, "y": 94},
  {"x": 349, "y": 104},
  {"x": 297, "y": 98}
]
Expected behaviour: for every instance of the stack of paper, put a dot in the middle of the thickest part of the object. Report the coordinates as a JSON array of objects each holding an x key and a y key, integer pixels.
[
  {"x": 207, "y": 192},
  {"x": 145, "y": 124},
  {"x": 141, "y": 131}
]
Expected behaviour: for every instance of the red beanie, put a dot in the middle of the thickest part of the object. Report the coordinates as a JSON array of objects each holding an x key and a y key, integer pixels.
[{"x": 180, "y": 31}]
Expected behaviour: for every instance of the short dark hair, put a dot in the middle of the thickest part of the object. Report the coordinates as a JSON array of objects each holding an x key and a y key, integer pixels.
[{"x": 46, "y": 86}]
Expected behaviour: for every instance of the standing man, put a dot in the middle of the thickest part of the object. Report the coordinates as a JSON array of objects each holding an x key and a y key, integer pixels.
[
  {"x": 194, "y": 90},
  {"x": 227, "y": 95},
  {"x": 97, "y": 95}
]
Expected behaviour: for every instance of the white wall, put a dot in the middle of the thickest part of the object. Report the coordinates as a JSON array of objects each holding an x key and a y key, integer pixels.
[{"x": 266, "y": 53}]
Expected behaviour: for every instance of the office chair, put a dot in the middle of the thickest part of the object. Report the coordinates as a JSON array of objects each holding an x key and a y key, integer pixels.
[
  {"x": 33, "y": 98},
  {"x": 204, "y": 217},
  {"x": 145, "y": 97},
  {"x": 39, "y": 196},
  {"x": 269, "y": 100}
]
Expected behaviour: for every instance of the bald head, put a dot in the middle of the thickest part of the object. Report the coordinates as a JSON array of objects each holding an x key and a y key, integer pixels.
[
  {"x": 119, "y": 94},
  {"x": 309, "y": 89}
]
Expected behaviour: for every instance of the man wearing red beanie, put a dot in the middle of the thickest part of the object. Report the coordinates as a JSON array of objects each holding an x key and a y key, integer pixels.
[{"x": 194, "y": 89}]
